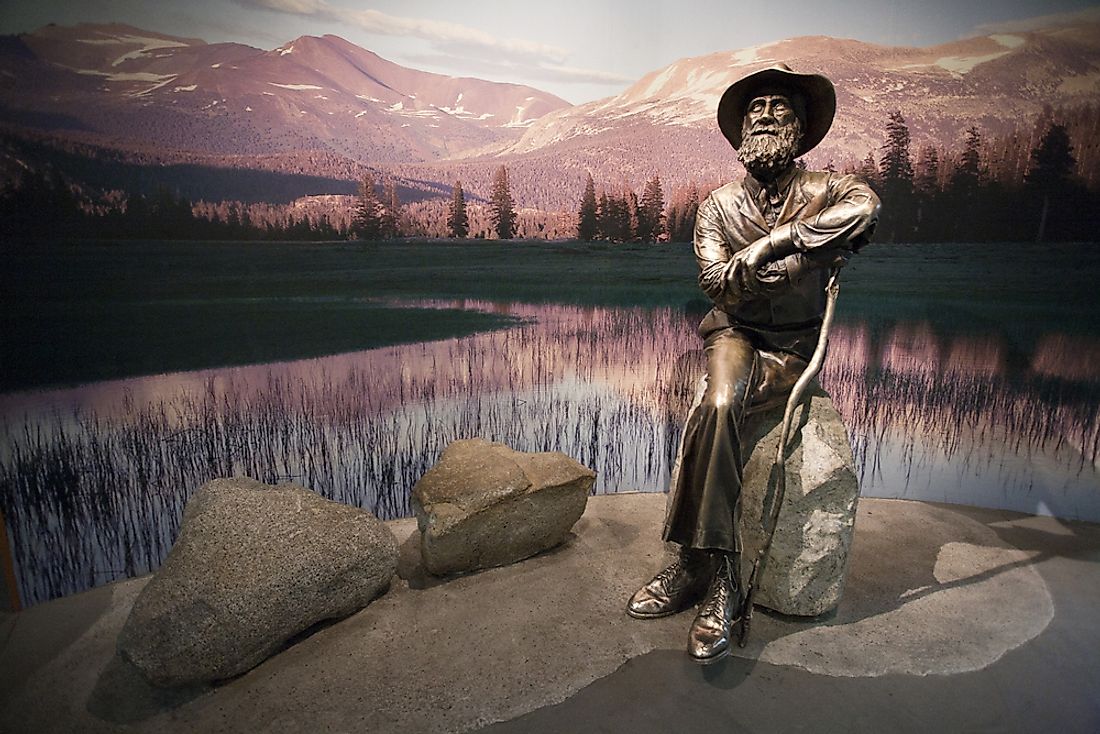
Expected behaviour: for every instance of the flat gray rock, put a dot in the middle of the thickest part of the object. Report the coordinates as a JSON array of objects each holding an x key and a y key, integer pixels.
[
  {"x": 453, "y": 656},
  {"x": 486, "y": 505},
  {"x": 254, "y": 565}
]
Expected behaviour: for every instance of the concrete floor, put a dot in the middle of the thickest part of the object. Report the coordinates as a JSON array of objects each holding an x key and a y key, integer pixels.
[{"x": 954, "y": 619}]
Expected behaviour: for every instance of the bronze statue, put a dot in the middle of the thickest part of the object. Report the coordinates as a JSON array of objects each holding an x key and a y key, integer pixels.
[{"x": 765, "y": 246}]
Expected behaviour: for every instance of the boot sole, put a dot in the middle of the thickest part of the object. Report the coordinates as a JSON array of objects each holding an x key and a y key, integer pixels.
[
  {"x": 657, "y": 615},
  {"x": 713, "y": 659},
  {"x": 725, "y": 653}
]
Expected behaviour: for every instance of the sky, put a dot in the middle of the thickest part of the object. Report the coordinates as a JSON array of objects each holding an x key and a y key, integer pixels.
[{"x": 579, "y": 50}]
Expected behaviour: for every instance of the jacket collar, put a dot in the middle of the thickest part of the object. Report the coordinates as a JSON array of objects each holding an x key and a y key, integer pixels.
[{"x": 789, "y": 188}]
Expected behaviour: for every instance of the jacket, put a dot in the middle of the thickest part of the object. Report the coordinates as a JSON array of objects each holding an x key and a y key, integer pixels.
[{"x": 815, "y": 213}]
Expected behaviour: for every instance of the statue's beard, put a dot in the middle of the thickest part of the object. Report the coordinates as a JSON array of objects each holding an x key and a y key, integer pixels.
[{"x": 766, "y": 156}]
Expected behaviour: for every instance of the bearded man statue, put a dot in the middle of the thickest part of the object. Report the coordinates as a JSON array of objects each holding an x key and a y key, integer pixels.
[{"x": 765, "y": 246}]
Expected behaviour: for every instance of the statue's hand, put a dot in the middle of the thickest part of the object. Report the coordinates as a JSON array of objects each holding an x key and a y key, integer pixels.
[
  {"x": 742, "y": 276},
  {"x": 830, "y": 258},
  {"x": 757, "y": 254}
]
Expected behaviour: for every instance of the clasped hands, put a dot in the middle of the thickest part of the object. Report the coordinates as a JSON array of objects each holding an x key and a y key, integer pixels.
[
  {"x": 743, "y": 275},
  {"x": 743, "y": 269}
]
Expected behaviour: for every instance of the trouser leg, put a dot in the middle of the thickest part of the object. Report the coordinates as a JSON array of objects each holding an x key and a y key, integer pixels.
[
  {"x": 742, "y": 379},
  {"x": 703, "y": 512}
]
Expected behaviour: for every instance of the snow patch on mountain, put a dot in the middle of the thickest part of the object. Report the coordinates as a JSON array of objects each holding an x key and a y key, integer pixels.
[
  {"x": 750, "y": 55},
  {"x": 1009, "y": 41},
  {"x": 959, "y": 65},
  {"x": 659, "y": 81},
  {"x": 519, "y": 117},
  {"x": 296, "y": 87},
  {"x": 145, "y": 45}
]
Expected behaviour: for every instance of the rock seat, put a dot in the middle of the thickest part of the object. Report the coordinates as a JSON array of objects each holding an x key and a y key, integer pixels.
[{"x": 809, "y": 556}]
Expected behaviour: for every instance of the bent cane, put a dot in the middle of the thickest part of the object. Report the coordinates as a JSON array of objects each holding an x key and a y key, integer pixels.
[{"x": 760, "y": 564}]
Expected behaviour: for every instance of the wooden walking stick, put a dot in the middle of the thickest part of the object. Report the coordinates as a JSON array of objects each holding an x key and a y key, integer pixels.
[{"x": 760, "y": 564}]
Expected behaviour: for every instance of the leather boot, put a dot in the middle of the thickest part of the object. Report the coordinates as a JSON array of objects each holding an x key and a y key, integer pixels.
[
  {"x": 673, "y": 590},
  {"x": 712, "y": 631}
]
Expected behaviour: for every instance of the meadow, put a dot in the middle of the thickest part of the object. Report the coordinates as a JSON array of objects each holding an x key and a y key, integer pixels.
[{"x": 84, "y": 311}]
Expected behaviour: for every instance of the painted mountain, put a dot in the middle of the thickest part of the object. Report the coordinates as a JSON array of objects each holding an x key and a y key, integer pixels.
[
  {"x": 665, "y": 122},
  {"x": 126, "y": 87},
  {"x": 326, "y": 107}
]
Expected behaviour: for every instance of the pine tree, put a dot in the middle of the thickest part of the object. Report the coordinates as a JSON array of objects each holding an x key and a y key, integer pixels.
[
  {"x": 501, "y": 207},
  {"x": 896, "y": 165},
  {"x": 967, "y": 175},
  {"x": 867, "y": 170},
  {"x": 896, "y": 180},
  {"x": 586, "y": 218},
  {"x": 630, "y": 232},
  {"x": 1052, "y": 161},
  {"x": 1049, "y": 170},
  {"x": 651, "y": 211},
  {"x": 674, "y": 220},
  {"x": 368, "y": 214},
  {"x": 928, "y": 178},
  {"x": 457, "y": 222},
  {"x": 964, "y": 215},
  {"x": 617, "y": 220},
  {"x": 390, "y": 219},
  {"x": 683, "y": 230},
  {"x": 603, "y": 217}
]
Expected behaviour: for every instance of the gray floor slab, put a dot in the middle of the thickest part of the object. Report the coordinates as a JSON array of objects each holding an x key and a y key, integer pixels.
[
  {"x": 1049, "y": 684},
  {"x": 954, "y": 619}
]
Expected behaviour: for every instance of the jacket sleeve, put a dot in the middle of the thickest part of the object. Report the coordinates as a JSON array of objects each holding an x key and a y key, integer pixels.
[
  {"x": 779, "y": 275},
  {"x": 713, "y": 252},
  {"x": 847, "y": 221}
]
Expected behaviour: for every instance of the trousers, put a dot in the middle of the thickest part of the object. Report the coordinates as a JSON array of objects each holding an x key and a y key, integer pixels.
[{"x": 748, "y": 371}]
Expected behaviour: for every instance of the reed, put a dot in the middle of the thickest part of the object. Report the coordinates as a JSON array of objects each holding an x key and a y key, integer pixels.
[{"x": 94, "y": 488}]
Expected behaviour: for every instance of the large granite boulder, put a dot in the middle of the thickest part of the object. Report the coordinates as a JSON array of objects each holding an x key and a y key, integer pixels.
[
  {"x": 809, "y": 555},
  {"x": 486, "y": 505},
  {"x": 254, "y": 565}
]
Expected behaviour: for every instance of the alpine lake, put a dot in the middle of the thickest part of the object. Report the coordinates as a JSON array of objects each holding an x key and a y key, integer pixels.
[{"x": 134, "y": 372}]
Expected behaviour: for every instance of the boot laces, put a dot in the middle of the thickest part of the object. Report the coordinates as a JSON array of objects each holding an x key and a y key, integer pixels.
[
  {"x": 664, "y": 577},
  {"x": 720, "y": 589}
]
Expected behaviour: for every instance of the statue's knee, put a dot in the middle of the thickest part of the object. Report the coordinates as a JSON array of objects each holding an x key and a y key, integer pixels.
[{"x": 719, "y": 399}]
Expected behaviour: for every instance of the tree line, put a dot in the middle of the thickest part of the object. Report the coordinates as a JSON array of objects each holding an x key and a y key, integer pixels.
[
  {"x": 1016, "y": 186},
  {"x": 990, "y": 190},
  {"x": 382, "y": 219},
  {"x": 43, "y": 205}
]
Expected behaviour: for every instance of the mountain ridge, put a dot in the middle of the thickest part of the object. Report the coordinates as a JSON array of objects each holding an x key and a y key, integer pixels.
[
  {"x": 127, "y": 84},
  {"x": 324, "y": 101}
]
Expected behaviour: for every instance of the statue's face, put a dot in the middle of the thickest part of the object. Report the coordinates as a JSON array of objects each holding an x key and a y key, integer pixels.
[
  {"x": 770, "y": 135},
  {"x": 768, "y": 112}
]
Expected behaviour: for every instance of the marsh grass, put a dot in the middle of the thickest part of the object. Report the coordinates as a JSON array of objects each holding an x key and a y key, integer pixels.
[
  {"x": 93, "y": 480},
  {"x": 96, "y": 492}
]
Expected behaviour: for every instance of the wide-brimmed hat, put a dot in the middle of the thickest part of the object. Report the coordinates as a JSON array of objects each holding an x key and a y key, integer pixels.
[{"x": 817, "y": 92}]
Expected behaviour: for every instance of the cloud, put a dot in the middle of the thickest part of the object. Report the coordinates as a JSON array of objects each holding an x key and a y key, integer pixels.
[
  {"x": 540, "y": 72},
  {"x": 573, "y": 74},
  {"x": 1054, "y": 20},
  {"x": 451, "y": 36}
]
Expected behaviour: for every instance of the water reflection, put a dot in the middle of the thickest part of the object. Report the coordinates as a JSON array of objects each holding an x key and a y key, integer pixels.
[
  {"x": 950, "y": 419},
  {"x": 93, "y": 480}
]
